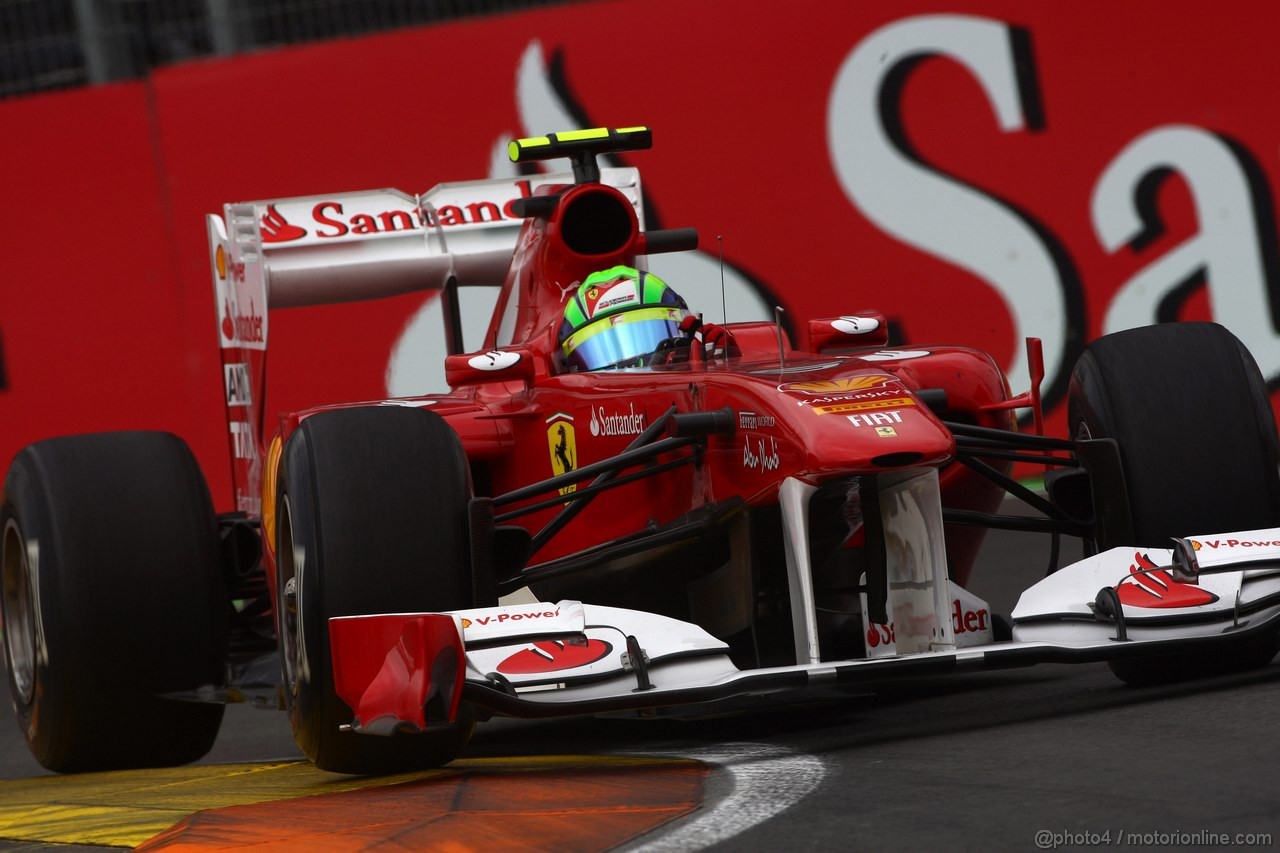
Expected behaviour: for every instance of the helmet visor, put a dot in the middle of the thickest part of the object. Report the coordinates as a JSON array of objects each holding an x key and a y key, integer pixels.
[{"x": 611, "y": 341}]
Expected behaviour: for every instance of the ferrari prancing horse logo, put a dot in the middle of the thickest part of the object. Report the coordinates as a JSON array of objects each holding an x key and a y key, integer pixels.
[{"x": 562, "y": 446}]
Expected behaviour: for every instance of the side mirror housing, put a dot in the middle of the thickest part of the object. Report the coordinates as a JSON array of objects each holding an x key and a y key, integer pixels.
[
  {"x": 850, "y": 331},
  {"x": 498, "y": 365}
]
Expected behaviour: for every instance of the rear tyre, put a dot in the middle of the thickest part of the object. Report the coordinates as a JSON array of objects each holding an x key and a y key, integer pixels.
[
  {"x": 1190, "y": 412},
  {"x": 112, "y": 597},
  {"x": 371, "y": 518}
]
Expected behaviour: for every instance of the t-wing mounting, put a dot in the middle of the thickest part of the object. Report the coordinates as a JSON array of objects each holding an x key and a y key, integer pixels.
[{"x": 581, "y": 147}]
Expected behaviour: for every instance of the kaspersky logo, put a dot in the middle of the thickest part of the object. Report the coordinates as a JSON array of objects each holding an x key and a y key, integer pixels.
[{"x": 1150, "y": 586}]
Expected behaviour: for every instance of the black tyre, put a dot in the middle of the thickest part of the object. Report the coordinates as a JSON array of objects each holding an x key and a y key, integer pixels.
[
  {"x": 1190, "y": 412},
  {"x": 371, "y": 518},
  {"x": 112, "y": 598}
]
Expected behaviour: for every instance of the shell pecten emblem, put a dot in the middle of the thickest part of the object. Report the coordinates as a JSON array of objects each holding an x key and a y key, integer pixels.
[{"x": 836, "y": 386}]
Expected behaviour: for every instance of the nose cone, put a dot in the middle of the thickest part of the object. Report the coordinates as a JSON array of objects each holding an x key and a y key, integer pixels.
[{"x": 864, "y": 422}]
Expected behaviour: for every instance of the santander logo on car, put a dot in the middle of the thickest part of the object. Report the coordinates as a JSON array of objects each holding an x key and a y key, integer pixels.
[
  {"x": 364, "y": 214},
  {"x": 630, "y": 422},
  {"x": 242, "y": 328}
]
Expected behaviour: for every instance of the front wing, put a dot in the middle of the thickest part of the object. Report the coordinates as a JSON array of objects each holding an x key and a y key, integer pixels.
[{"x": 408, "y": 672}]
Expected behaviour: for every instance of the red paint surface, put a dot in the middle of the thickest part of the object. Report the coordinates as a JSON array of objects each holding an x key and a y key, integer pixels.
[{"x": 385, "y": 666}]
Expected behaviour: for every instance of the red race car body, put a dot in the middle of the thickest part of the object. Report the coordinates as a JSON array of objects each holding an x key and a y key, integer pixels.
[{"x": 757, "y": 509}]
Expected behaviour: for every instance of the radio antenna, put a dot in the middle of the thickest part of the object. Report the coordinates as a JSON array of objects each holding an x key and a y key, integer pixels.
[
  {"x": 778, "y": 311},
  {"x": 724, "y": 311}
]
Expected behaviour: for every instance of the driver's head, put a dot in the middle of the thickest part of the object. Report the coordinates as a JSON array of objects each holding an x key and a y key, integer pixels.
[{"x": 617, "y": 318}]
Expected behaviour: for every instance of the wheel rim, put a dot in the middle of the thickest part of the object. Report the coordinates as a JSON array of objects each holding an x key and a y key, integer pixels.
[
  {"x": 289, "y": 593},
  {"x": 19, "y": 614}
]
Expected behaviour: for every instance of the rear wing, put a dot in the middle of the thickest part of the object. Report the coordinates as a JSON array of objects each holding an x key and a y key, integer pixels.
[{"x": 344, "y": 247}]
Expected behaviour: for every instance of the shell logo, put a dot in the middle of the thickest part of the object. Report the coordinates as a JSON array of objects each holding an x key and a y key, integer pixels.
[
  {"x": 837, "y": 386},
  {"x": 466, "y": 623},
  {"x": 220, "y": 261}
]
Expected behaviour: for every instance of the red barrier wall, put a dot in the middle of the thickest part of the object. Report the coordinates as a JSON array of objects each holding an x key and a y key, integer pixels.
[{"x": 1052, "y": 169}]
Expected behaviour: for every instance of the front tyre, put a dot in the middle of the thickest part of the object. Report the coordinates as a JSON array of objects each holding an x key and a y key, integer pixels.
[
  {"x": 1190, "y": 412},
  {"x": 1189, "y": 409},
  {"x": 371, "y": 518},
  {"x": 112, "y": 597}
]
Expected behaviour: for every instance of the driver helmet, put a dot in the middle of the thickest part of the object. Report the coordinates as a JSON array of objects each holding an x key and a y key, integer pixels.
[{"x": 617, "y": 318}]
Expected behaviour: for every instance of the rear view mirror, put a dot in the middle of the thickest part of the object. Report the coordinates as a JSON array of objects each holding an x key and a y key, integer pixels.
[
  {"x": 850, "y": 331},
  {"x": 494, "y": 365},
  {"x": 498, "y": 365}
]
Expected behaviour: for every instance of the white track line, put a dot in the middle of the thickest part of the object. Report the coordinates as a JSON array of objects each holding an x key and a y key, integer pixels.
[{"x": 767, "y": 780}]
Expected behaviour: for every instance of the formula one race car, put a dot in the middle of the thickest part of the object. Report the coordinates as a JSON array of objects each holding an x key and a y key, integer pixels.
[{"x": 701, "y": 517}]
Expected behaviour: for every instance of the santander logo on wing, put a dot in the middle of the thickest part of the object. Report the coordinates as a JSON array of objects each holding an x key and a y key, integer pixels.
[
  {"x": 1151, "y": 586},
  {"x": 276, "y": 229},
  {"x": 242, "y": 328},
  {"x": 386, "y": 212},
  {"x": 553, "y": 656}
]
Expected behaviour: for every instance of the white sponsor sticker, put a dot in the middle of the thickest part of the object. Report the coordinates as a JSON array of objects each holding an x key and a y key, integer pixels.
[
  {"x": 759, "y": 456},
  {"x": 242, "y": 440},
  {"x": 753, "y": 421},
  {"x": 623, "y": 293},
  {"x": 236, "y": 380},
  {"x": 875, "y": 419},
  {"x": 494, "y": 360},
  {"x": 855, "y": 325},
  {"x": 894, "y": 354}
]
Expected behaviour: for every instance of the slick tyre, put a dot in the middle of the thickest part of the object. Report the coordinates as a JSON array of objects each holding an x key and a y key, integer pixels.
[
  {"x": 112, "y": 598},
  {"x": 371, "y": 518},
  {"x": 1190, "y": 412}
]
